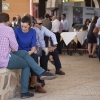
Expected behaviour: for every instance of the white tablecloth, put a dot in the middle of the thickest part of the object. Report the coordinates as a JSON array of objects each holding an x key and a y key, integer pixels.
[{"x": 69, "y": 36}]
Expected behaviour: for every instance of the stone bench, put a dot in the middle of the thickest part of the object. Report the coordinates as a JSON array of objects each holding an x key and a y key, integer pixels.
[{"x": 9, "y": 83}]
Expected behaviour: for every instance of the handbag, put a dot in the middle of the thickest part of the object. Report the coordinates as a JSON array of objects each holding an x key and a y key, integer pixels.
[{"x": 95, "y": 31}]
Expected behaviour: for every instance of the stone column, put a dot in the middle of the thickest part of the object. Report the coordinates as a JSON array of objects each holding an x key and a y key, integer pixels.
[
  {"x": 0, "y": 5},
  {"x": 52, "y": 12},
  {"x": 97, "y": 3},
  {"x": 34, "y": 11},
  {"x": 31, "y": 7}
]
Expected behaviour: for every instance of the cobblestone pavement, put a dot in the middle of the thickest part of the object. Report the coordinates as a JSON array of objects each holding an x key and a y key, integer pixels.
[{"x": 81, "y": 82}]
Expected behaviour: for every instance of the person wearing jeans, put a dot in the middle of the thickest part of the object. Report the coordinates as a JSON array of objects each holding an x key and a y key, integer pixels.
[
  {"x": 22, "y": 60},
  {"x": 29, "y": 40},
  {"x": 98, "y": 26},
  {"x": 12, "y": 59}
]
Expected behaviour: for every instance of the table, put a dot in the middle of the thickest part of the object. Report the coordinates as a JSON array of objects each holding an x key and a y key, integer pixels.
[{"x": 69, "y": 36}]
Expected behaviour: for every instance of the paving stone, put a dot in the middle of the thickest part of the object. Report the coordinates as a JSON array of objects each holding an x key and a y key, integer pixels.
[{"x": 80, "y": 82}]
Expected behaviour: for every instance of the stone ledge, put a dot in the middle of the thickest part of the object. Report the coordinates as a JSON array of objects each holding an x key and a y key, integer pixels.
[
  {"x": 4, "y": 70},
  {"x": 9, "y": 83}
]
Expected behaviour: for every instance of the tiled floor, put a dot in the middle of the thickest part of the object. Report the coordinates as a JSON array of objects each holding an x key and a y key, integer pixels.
[{"x": 81, "y": 82}]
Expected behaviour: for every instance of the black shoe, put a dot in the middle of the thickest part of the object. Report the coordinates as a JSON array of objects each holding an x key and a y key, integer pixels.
[
  {"x": 60, "y": 72},
  {"x": 26, "y": 95},
  {"x": 43, "y": 83},
  {"x": 47, "y": 76},
  {"x": 31, "y": 88}
]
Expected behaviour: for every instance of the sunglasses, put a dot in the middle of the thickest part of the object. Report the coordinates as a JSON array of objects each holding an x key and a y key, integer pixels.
[{"x": 39, "y": 23}]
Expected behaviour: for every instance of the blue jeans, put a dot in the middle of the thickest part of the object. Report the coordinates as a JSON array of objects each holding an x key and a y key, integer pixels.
[{"x": 22, "y": 60}]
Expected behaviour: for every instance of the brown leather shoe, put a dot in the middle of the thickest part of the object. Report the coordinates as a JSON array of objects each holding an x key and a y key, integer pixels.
[
  {"x": 60, "y": 72},
  {"x": 40, "y": 89},
  {"x": 35, "y": 84}
]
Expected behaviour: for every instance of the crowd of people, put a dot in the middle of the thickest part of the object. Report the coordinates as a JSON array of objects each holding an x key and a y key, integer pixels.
[
  {"x": 26, "y": 39},
  {"x": 22, "y": 42}
]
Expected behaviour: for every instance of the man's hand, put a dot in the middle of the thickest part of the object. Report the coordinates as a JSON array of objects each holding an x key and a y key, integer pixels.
[
  {"x": 51, "y": 49},
  {"x": 30, "y": 52},
  {"x": 46, "y": 51}
]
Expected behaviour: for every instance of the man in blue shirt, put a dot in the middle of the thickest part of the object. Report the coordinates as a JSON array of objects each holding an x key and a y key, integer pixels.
[
  {"x": 52, "y": 50},
  {"x": 64, "y": 22},
  {"x": 39, "y": 39}
]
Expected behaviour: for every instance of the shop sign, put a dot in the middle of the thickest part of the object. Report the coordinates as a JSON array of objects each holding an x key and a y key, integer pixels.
[
  {"x": 5, "y": 6},
  {"x": 36, "y": 1}
]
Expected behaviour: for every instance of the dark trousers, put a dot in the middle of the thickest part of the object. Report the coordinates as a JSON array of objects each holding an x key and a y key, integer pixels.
[
  {"x": 59, "y": 43},
  {"x": 44, "y": 60},
  {"x": 35, "y": 57}
]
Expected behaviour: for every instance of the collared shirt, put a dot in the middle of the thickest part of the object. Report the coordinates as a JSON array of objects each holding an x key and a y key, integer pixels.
[
  {"x": 65, "y": 24},
  {"x": 55, "y": 26},
  {"x": 8, "y": 43},
  {"x": 98, "y": 24},
  {"x": 60, "y": 28},
  {"x": 39, "y": 38},
  {"x": 48, "y": 33}
]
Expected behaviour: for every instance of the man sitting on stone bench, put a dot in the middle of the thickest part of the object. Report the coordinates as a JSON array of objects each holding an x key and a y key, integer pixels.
[{"x": 12, "y": 59}]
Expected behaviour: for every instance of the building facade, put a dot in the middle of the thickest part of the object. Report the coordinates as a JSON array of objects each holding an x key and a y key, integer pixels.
[{"x": 14, "y": 7}]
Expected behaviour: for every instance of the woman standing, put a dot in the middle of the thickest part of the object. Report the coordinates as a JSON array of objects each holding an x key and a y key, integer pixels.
[{"x": 92, "y": 39}]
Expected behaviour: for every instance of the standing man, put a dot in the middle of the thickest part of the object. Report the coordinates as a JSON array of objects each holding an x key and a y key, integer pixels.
[
  {"x": 55, "y": 30},
  {"x": 46, "y": 22},
  {"x": 64, "y": 22}
]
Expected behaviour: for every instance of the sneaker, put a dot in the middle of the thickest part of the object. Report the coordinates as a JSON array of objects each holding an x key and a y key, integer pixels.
[
  {"x": 26, "y": 95},
  {"x": 47, "y": 76}
]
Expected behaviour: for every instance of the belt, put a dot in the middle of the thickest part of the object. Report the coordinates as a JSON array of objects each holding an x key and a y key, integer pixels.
[
  {"x": 64, "y": 30},
  {"x": 55, "y": 32}
]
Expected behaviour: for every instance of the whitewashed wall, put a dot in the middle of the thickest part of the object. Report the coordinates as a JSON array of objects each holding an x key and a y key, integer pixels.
[
  {"x": 67, "y": 8},
  {"x": 88, "y": 13}
]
